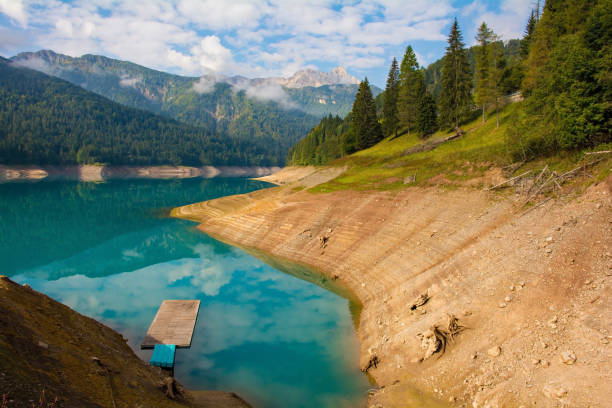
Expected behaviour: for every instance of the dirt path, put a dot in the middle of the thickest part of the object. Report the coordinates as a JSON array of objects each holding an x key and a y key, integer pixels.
[{"x": 532, "y": 291}]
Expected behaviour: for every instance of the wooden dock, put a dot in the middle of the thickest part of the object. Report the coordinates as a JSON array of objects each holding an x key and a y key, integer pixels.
[{"x": 173, "y": 324}]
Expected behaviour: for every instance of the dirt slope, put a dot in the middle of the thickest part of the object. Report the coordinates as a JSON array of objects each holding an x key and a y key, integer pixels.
[
  {"x": 45, "y": 345},
  {"x": 532, "y": 290}
]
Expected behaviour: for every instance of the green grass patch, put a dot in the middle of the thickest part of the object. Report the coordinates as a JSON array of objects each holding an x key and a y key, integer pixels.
[{"x": 388, "y": 164}]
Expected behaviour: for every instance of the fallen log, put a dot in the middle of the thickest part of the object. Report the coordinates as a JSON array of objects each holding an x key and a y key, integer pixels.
[{"x": 508, "y": 181}]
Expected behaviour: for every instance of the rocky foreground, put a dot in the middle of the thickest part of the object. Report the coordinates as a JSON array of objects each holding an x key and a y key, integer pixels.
[
  {"x": 469, "y": 298},
  {"x": 52, "y": 356}
]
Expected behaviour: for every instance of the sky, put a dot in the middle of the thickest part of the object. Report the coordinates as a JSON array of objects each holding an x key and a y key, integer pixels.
[{"x": 253, "y": 38}]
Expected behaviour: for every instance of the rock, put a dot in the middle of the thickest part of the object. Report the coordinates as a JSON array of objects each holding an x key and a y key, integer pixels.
[
  {"x": 508, "y": 299},
  {"x": 512, "y": 288},
  {"x": 416, "y": 360},
  {"x": 535, "y": 361},
  {"x": 522, "y": 284},
  {"x": 568, "y": 357},
  {"x": 419, "y": 301},
  {"x": 549, "y": 239},
  {"x": 554, "y": 391},
  {"x": 25, "y": 285},
  {"x": 42, "y": 344},
  {"x": 502, "y": 305},
  {"x": 95, "y": 360},
  {"x": 545, "y": 363},
  {"x": 430, "y": 343},
  {"x": 409, "y": 179},
  {"x": 494, "y": 351},
  {"x": 548, "y": 250}
]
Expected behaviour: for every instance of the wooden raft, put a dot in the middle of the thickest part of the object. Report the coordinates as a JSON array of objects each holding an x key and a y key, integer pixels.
[{"x": 173, "y": 324}]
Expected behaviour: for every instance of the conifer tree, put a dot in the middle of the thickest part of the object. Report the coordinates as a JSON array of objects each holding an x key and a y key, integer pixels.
[
  {"x": 366, "y": 130},
  {"x": 426, "y": 121},
  {"x": 390, "y": 119},
  {"x": 496, "y": 75},
  {"x": 455, "y": 97},
  {"x": 529, "y": 32},
  {"x": 483, "y": 61},
  {"x": 412, "y": 86}
]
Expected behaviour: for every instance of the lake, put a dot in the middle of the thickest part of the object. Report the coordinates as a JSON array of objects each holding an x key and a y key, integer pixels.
[{"x": 110, "y": 251}]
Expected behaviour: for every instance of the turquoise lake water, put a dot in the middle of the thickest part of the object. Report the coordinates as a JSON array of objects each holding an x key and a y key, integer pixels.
[{"x": 109, "y": 251}]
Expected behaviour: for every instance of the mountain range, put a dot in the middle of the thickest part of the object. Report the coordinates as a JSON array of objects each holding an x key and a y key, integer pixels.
[
  {"x": 274, "y": 111},
  {"x": 46, "y": 120}
]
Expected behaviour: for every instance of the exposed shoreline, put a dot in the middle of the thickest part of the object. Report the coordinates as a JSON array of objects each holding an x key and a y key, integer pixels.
[
  {"x": 101, "y": 173},
  {"x": 502, "y": 273}
]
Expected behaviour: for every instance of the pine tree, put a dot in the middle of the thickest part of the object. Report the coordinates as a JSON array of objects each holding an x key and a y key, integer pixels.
[
  {"x": 426, "y": 121},
  {"x": 390, "y": 118},
  {"x": 455, "y": 97},
  {"x": 529, "y": 30},
  {"x": 483, "y": 78},
  {"x": 412, "y": 86},
  {"x": 366, "y": 130},
  {"x": 496, "y": 75}
]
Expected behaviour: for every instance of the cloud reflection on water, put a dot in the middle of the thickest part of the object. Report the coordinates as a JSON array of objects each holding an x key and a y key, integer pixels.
[{"x": 257, "y": 328}]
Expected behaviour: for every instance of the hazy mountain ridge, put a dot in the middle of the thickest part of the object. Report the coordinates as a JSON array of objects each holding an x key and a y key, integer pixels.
[
  {"x": 46, "y": 120},
  {"x": 262, "y": 108},
  {"x": 301, "y": 79}
]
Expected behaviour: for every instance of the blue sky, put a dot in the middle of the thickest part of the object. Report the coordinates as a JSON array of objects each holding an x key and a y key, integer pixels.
[{"x": 254, "y": 38}]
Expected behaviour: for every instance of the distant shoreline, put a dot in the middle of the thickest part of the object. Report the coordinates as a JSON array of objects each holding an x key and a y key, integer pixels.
[{"x": 100, "y": 173}]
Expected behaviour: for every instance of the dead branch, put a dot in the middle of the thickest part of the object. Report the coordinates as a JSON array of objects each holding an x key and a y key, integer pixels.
[
  {"x": 537, "y": 180},
  {"x": 508, "y": 181}
]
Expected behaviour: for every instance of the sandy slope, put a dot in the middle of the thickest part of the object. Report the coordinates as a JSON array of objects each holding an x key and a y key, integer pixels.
[{"x": 529, "y": 288}]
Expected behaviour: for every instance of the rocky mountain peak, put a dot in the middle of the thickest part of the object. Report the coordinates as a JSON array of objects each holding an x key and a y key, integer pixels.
[{"x": 312, "y": 77}]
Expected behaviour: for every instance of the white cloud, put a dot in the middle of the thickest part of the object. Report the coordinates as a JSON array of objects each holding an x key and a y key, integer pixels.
[
  {"x": 218, "y": 15},
  {"x": 253, "y": 38},
  {"x": 205, "y": 84},
  {"x": 270, "y": 92},
  {"x": 34, "y": 63},
  {"x": 509, "y": 23},
  {"x": 14, "y": 9},
  {"x": 126, "y": 81},
  {"x": 211, "y": 55}
]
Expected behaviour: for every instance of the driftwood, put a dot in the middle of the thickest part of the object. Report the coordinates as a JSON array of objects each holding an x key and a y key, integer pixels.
[
  {"x": 419, "y": 301},
  {"x": 432, "y": 144},
  {"x": 541, "y": 203},
  {"x": 435, "y": 339},
  {"x": 510, "y": 169},
  {"x": 537, "y": 180},
  {"x": 542, "y": 184},
  {"x": 171, "y": 388},
  {"x": 508, "y": 181},
  {"x": 373, "y": 362}
]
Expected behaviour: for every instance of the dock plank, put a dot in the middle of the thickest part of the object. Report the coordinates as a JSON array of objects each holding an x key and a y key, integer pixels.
[{"x": 173, "y": 324}]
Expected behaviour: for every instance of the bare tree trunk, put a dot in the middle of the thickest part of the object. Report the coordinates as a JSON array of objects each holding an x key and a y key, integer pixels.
[
  {"x": 497, "y": 112},
  {"x": 483, "y": 113}
]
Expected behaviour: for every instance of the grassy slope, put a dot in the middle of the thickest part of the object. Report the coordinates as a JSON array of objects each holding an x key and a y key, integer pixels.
[{"x": 385, "y": 165}]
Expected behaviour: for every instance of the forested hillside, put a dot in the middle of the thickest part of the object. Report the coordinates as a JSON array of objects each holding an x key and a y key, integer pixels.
[
  {"x": 562, "y": 66},
  {"x": 274, "y": 115},
  {"x": 45, "y": 120},
  {"x": 568, "y": 85}
]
